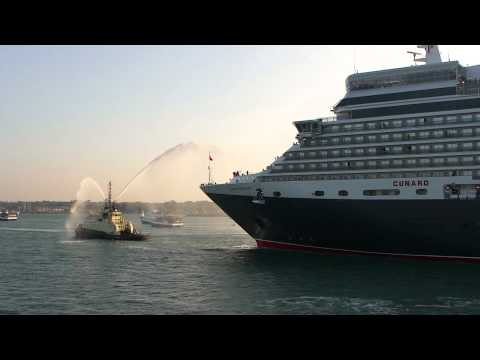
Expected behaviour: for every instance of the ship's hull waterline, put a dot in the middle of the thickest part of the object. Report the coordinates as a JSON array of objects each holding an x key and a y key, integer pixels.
[{"x": 429, "y": 229}]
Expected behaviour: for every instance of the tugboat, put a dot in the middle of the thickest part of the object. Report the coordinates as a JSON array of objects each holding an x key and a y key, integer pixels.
[
  {"x": 162, "y": 220},
  {"x": 6, "y": 215},
  {"x": 111, "y": 224}
]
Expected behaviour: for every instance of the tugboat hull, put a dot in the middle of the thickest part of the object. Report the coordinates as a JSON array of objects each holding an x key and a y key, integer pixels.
[{"x": 82, "y": 233}]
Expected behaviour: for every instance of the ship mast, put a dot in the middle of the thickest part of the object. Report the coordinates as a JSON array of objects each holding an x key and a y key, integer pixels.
[
  {"x": 432, "y": 54},
  {"x": 110, "y": 195}
]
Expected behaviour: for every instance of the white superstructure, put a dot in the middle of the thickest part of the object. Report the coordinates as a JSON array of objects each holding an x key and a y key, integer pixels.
[
  {"x": 396, "y": 171},
  {"x": 392, "y": 128}
]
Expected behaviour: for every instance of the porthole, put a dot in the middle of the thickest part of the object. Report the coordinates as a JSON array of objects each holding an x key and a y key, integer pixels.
[
  {"x": 422, "y": 191},
  {"x": 277, "y": 194},
  {"x": 343, "y": 193},
  {"x": 319, "y": 193}
]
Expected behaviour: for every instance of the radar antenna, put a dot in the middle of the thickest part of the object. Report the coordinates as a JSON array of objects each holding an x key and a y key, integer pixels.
[
  {"x": 414, "y": 53},
  {"x": 432, "y": 54}
]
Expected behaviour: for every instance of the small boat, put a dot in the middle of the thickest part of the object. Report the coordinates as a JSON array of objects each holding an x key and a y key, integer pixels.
[
  {"x": 162, "y": 220},
  {"x": 6, "y": 215},
  {"x": 111, "y": 224}
]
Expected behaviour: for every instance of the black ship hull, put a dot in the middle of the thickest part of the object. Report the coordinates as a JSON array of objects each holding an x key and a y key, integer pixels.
[
  {"x": 434, "y": 229},
  {"x": 83, "y": 233}
]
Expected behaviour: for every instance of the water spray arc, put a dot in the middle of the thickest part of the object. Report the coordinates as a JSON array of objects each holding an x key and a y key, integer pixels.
[
  {"x": 175, "y": 172},
  {"x": 88, "y": 189},
  {"x": 143, "y": 170}
]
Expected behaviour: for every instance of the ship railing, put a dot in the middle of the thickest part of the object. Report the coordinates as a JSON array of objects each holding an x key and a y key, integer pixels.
[
  {"x": 242, "y": 179},
  {"x": 294, "y": 146},
  {"x": 472, "y": 91},
  {"x": 328, "y": 119},
  {"x": 469, "y": 87}
]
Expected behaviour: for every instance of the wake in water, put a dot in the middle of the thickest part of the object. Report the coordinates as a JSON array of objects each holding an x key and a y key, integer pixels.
[
  {"x": 32, "y": 230},
  {"x": 244, "y": 246},
  {"x": 333, "y": 305},
  {"x": 71, "y": 241},
  {"x": 146, "y": 248}
]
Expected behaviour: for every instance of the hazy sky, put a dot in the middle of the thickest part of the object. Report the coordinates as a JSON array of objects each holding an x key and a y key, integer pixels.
[{"x": 68, "y": 112}]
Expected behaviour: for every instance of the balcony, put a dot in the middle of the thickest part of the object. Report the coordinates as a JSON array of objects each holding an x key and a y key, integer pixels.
[
  {"x": 243, "y": 179},
  {"x": 469, "y": 87}
]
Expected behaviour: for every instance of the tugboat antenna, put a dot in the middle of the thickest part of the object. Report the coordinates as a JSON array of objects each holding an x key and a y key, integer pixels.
[{"x": 109, "y": 194}]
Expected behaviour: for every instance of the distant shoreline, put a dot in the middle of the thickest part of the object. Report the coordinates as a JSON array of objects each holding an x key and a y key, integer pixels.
[{"x": 186, "y": 208}]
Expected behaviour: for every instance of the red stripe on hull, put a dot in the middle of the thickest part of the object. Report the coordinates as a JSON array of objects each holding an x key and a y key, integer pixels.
[{"x": 267, "y": 244}]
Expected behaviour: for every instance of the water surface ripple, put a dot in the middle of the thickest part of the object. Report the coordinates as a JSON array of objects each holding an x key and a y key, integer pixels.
[{"x": 211, "y": 266}]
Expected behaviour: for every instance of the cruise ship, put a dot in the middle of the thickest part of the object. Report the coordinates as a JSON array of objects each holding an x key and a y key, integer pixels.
[{"x": 395, "y": 172}]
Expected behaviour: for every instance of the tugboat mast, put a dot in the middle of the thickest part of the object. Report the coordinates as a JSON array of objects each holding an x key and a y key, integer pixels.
[
  {"x": 111, "y": 225},
  {"x": 109, "y": 195}
]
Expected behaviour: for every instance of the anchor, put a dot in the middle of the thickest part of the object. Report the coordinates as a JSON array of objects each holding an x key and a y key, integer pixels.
[{"x": 259, "y": 199}]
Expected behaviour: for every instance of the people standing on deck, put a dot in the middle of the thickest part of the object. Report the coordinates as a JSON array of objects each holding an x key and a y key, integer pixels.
[{"x": 237, "y": 173}]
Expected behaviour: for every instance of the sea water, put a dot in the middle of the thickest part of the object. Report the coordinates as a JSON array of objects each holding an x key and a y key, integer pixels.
[{"x": 211, "y": 266}]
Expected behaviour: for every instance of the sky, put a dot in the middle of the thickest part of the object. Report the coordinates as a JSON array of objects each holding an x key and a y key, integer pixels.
[{"x": 71, "y": 112}]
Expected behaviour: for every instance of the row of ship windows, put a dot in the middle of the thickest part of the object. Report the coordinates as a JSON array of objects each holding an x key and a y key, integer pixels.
[
  {"x": 403, "y": 79},
  {"x": 374, "y": 164},
  {"x": 391, "y": 124},
  {"x": 387, "y": 137},
  {"x": 383, "y": 192},
  {"x": 385, "y": 175},
  {"x": 384, "y": 150}
]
